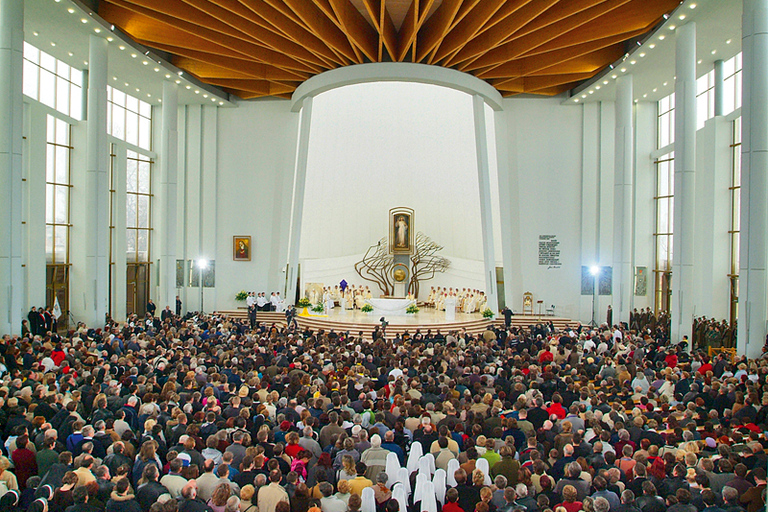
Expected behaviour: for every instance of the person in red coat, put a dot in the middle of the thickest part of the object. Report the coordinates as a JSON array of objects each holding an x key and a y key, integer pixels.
[
  {"x": 451, "y": 501},
  {"x": 24, "y": 461}
]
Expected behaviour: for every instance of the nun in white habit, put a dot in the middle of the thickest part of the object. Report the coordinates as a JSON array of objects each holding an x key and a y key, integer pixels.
[
  {"x": 450, "y": 473},
  {"x": 428, "y": 501},
  {"x": 392, "y": 468},
  {"x": 403, "y": 478},
  {"x": 399, "y": 495},
  {"x": 424, "y": 466},
  {"x": 482, "y": 465},
  {"x": 413, "y": 457},
  {"x": 369, "y": 500},
  {"x": 438, "y": 481}
]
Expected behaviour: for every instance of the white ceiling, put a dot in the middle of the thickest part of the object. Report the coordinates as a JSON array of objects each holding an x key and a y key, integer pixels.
[
  {"x": 718, "y": 37},
  {"x": 62, "y": 28}
]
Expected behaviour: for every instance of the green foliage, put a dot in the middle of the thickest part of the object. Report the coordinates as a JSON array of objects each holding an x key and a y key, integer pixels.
[
  {"x": 488, "y": 313},
  {"x": 241, "y": 296},
  {"x": 303, "y": 303},
  {"x": 412, "y": 309},
  {"x": 367, "y": 308},
  {"x": 318, "y": 308}
]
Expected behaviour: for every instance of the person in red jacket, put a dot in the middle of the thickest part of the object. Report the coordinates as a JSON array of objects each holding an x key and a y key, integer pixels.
[
  {"x": 451, "y": 501},
  {"x": 24, "y": 461},
  {"x": 556, "y": 407}
]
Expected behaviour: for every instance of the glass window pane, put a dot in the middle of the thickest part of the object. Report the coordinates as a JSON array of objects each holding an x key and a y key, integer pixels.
[
  {"x": 144, "y": 177},
  {"x": 132, "y": 103},
  {"x": 130, "y": 207},
  {"x": 62, "y": 165},
  {"x": 62, "y": 132},
  {"x": 62, "y": 96},
  {"x": 130, "y": 245},
  {"x": 31, "y": 53},
  {"x": 132, "y": 176},
  {"x": 50, "y": 196},
  {"x": 76, "y": 103},
  {"x": 30, "y": 77},
  {"x": 49, "y": 243},
  {"x": 143, "y": 207},
  {"x": 145, "y": 109},
  {"x": 48, "y": 88},
  {"x": 76, "y": 76},
  {"x": 118, "y": 122},
  {"x": 118, "y": 97},
  {"x": 50, "y": 163},
  {"x": 132, "y": 128},
  {"x": 62, "y": 214},
  {"x": 143, "y": 244},
  {"x": 48, "y": 62},
  {"x": 145, "y": 132},
  {"x": 60, "y": 244},
  {"x": 62, "y": 69}
]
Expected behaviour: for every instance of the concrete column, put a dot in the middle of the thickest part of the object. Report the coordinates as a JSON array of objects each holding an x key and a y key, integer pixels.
[
  {"x": 166, "y": 225},
  {"x": 681, "y": 307},
  {"x": 622, "y": 201},
  {"x": 11, "y": 139},
  {"x": 509, "y": 210},
  {"x": 719, "y": 87},
  {"x": 299, "y": 182},
  {"x": 754, "y": 167},
  {"x": 119, "y": 234},
  {"x": 35, "y": 260},
  {"x": 486, "y": 213},
  {"x": 97, "y": 187}
]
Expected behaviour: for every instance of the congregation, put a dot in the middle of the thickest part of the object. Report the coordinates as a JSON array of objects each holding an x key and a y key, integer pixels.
[{"x": 205, "y": 413}]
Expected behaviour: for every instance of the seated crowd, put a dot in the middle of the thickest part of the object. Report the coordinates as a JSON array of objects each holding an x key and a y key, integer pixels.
[{"x": 203, "y": 413}]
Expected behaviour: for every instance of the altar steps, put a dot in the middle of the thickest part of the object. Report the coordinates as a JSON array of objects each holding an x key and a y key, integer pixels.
[{"x": 473, "y": 326}]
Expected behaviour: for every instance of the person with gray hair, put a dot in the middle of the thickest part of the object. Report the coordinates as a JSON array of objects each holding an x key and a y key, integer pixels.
[
  {"x": 309, "y": 443},
  {"x": 524, "y": 500},
  {"x": 572, "y": 473},
  {"x": 500, "y": 483},
  {"x": 628, "y": 502},
  {"x": 602, "y": 504},
  {"x": 329, "y": 502}
]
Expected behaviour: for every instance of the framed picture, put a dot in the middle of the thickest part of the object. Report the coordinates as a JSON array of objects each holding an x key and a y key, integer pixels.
[
  {"x": 241, "y": 248},
  {"x": 401, "y": 230}
]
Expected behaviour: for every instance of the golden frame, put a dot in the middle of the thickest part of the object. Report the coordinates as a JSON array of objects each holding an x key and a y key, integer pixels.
[
  {"x": 402, "y": 236},
  {"x": 241, "y": 248}
]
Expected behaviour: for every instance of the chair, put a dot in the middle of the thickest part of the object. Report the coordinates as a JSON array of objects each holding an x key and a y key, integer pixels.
[
  {"x": 551, "y": 310},
  {"x": 528, "y": 303}
]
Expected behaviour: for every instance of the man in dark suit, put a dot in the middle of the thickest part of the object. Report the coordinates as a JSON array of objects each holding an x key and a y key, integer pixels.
[
  {"x": 151, "y": 308},
  {"x": 178, "y": 306},
  {"x": 166, "y": 314},
  {"x": 34, "y": 320}
]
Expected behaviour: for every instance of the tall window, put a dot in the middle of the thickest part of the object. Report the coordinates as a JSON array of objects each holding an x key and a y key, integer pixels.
[
  {"x": 53, "y": 82},
  {"x": 664, "y": 199},
  {"x": 735, "y": 189},
  {"x": 57, "y": 220},
  {"x": 705, "y": 98},
  {"x": 129, "y": 118},
  {"x": 139, "y": 224},
  {"x": 666, "y": 121},
  {"x": 732, "y": 84}
]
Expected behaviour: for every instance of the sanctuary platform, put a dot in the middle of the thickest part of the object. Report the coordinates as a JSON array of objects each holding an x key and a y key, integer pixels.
[{"x": 356, "y": 321}]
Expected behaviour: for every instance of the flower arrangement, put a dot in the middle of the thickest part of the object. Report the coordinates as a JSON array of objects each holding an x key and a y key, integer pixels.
[
  {"x": 412, "y": 309},
  {"x": 488, "y": 313},
  {"x": 318, "y": 308},
  {"x": 367, "y": 308},
  {"x": 241, "y": 296},
  {"x": 303, "y": 303}
]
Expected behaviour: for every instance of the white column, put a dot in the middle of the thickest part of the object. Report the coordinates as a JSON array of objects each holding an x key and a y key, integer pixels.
[
  {"x": 486, "y": 214},
  {"x": 622, "y": 201},
  {"x": 35, "y": 262},
  {"x": 166, "y": 225},
  {"x": 299, "y": 182},
  {"x": 509, "y": 210},
  {"x": 97, "y": 187},
  {"x": 11, "y": 115},
  {"x": 119, "y": 235},
  {"x": 754, "y": 167},
  {"x": 681, "y": 307},
  {"x": 719, "y": 87}
]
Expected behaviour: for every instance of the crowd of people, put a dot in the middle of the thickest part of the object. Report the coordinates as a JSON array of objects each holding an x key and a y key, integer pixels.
[{"x": 205, "y": 413}]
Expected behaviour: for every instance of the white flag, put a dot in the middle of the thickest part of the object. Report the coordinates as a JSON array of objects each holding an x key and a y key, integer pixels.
[{"x": 56, "y": 308}]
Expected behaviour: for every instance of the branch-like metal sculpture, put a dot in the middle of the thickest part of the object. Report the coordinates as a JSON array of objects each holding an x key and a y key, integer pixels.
[
  {"x": 376, "y": 265},
  {"x": 425, "y": 262}
]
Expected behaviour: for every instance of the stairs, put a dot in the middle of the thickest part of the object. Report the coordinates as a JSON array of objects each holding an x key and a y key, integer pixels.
[{"x": 474, "y": 326}]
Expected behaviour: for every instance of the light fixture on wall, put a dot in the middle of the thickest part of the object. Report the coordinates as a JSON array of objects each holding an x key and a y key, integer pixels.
[
  {"x": 595, "y": 271},
  {"x": 202, "y": 264}
]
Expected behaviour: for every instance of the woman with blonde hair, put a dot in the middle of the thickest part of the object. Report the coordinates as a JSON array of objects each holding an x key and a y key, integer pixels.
[
  {"x": 221, "y": 494},
  {"x": 246, "y": 499},
  {"x": 347, "y": 471},
  {"x": 344, "y": 491}
]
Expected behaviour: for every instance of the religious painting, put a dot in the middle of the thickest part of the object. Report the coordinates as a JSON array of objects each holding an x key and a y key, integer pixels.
[
  {"x": 181, "y": 272},
  {"x": 605, "y": 281},
  {"x": 241, "y": 248},
  {"x": 587, "y": 281},
  {"x": 401, "y": 230},
  {"x": 641, "y": 281}
]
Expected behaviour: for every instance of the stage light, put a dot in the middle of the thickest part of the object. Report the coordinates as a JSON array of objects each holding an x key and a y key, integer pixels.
[{"x": 594, "y": 270}]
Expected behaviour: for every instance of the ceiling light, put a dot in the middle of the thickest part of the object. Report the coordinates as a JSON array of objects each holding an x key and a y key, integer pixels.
[
  {"x": 623, "y": 70},
  {"x": 222, "y": 103},
  {"x": 651, "y": 46},
  {"x": 57, "y": 1},
  {"x": 110, "y": 39},
  {"x": 114, "y": 78},
  {"x": 53, "y": 44},
  {"x": 138, "y": 90},
  {"x": 664, "y": 84},
  {"x": 692, "y": 6},
  {"x": 614, "y": 77},
  {"x": 583, "y": 95},
  {"x": 178, "y": 81},
  {"x": 159, "y": 100},
  {"x": 133, "y": 55},
  {"x": 97, "y": 30},
  {"x": 145, "y": 62},
  {"x": 699, "y": 61},
  {"x": 205, "y": 95},
  {"x": 157, "y": 70},
  {"x": 181, "y": 73},
  {"x": 591, "y": 92},
  {"x": 645, "y": 95},
  {"x": 672, "y": 27},
  {"x": 713, "y": 52},
  {"x": 167, "y": 76},
  {"x": 197, "y": 91},
  {"x": 121, "y": 47},
  {"x": 636, "y": 100},
  {"x": 605, "y": 82},
  {"x": 681, "y": 17},
  {"x": 126, "y": 84},
  {"x": 70, "y": 54},
  {"x": 728, "y": 41},
  {"x": 84, "y": 20},
  {"x": 665, "y": 16},
  {"x": 35, "y": 34},
  {"x": 189, "y": 87},
  {"x": 633, "y": 62},
  {"x": 146, "y": 52},
  {"x": 661, "y": 37},
  {"x": 642, "y": 54},
  {"x": 213, "y": 100},
  {"x": 149, "y": 95},
  {"x": 576, "y": 100},
  {"x": 71, "y": 10},
  {"x": 597, "y": 87},
  {"x": 655, "y": 89},
  {"x": 85, "y": 62},
  {"x": 111, "y": 27}
]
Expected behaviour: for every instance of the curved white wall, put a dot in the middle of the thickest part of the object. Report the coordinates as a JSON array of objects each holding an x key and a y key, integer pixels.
[{"x": 379, "y": 145}]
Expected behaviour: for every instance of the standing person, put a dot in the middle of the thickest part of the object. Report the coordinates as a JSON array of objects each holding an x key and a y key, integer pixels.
[
  {"x": 178, "y": 306},
  {"x": 34, "y": 320},
  {"x": 507, "y": 317},
  {"x": 272, "y": 494},
  {"x": 609, "y": 316},
  {"x": 151, "y": 308}
]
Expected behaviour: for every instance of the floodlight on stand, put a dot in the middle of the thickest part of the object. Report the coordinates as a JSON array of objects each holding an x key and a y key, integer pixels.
[
  {"x": 594, "y": 270},
  {"x": 202, "y": 264}
]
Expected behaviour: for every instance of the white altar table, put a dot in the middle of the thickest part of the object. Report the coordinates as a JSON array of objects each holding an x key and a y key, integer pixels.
[{"x": 390, "y": 307}]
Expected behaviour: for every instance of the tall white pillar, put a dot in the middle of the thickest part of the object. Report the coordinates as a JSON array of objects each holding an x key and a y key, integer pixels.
[
  {"x": 754, "y": 168},
  {"x": 509, "y": 210},
  {"x": 719, "y": 87},
  {"x": 166, "y": 227},
  {"x": 119, "y": 235},
  {"x": 11, "y": 139},
  {"x": 35, "y": 259},
  {"x": 299, "y": 183},
  {"x": 622, "y": 201},
  {"x": 681, "y": 307},
  {"x": 486, "y": 214},
  {"x": 97, "y": 187}
]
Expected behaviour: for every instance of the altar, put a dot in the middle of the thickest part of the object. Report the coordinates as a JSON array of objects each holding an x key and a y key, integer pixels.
[{"x": 390, "y": 306}]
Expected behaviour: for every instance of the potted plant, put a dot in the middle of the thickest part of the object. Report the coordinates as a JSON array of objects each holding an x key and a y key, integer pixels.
[
  {"x": 488, "y": 313},
  {"x": 318, "y": 308},
  {"x": 367, "y": 308},
  {"x": 303, "y": 304},
  {"x": 241, "y": 296},
  {"x": 412, "y": 309}
]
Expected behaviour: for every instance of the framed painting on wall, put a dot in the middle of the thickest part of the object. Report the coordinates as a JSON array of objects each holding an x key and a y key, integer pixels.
[
  {"x": 401, "y": 230},
  {"x": 241, "y": 248}
]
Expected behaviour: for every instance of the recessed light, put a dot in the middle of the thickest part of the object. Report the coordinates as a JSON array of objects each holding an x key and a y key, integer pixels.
[
  {"x": 133, "y": 55},
  {"x": 213, "y": 100},
  {"x": 636, "y": 100},
  {"x": 35, "y": 33},
  {"x": 159, "y": 100},
  {"x": 85, "y": 62},
  {"x": 645, "y": 95},
  {"x": 126, "y": 84},
  {"x": 110, "y": 39},
  {"x": 149, "y": 95},
  {"x": 205, "y": 95},
  {"x": 591, "y": 92},
  {"x": 672, "y": 27},
  {"x": 681, "y": 17},
  {"x": 655, "y": 89},
  {"x": 583, "y": 95},
  {"x": 57, "y": 1},
  {"x": 197, "y": 91},
  {"x": 614, "y": 76},
  {"x": 692, "y": 6},
  {"x": 71, "y": 11},
  {"x": 178, "y": 81},
  {"x": 121, "y": 47},
  {"x": 145, "y": 62},
  {"x": 597, "y": 87},
  {"x": 623, "y": 70},
  {"x": 713, "y": 52},
  {"x": 664, "y": 84},
  {"x": 157, "y": 70},
  {"x": 167, "y": 76},
  {"x": 222, "y": 103},
  {"x": 642, "y": 54},
  {"x": 97, "y": 30},
  {"x": 114, "y": 78},
  {"x": 189, "y": 87},
  {"x": 633, "y": 62},
  {"x": 53, "y": 44},
  {"x": 181, "y": 73},
  {"x": 699, "y": 61},
  {"x": 651, "y": 46},
  {"x": 605, "y": 82},
  {"x": 661, "y": 37},
  {"x": 576, "y": 100},
  {"x": 83, "y": 20},
  {"x": 138, "y": 90},
  {"x": 70, "y": 54},
  {"x": 728, "y": 41}
]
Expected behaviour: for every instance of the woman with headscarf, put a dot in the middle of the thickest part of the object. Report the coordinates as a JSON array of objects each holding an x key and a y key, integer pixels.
[{"x": 9, "y": 502}]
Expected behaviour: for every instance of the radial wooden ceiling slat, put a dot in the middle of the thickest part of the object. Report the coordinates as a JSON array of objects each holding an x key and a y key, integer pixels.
[{"x": 257, "y": 48}]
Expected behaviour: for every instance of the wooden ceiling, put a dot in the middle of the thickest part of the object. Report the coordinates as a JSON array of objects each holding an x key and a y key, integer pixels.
[{"x": 255, "y": 48}]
